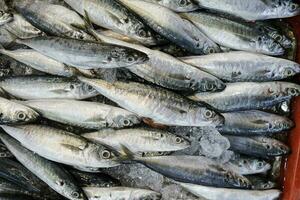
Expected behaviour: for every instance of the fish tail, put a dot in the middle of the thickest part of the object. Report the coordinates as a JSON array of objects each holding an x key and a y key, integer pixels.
[{"x": 89, "y": 26}]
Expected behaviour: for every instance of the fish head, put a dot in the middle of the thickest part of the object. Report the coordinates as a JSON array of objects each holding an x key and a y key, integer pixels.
[
  {"x": 237, "y": 180},
  {"x": 145, "y": 195},
  {"x": 285, "y": 8},
  {"x": 290, "y": 89},
  {"x": 172, "y": 140},
  {"x": 104, "y": 156},
  {"x": 5, "y": 17},
  {"x": 264, "y": 185},
  {"x": 210, "y": 47},
  {"x": 142, "y": 33},
  {"x": 124, "y": 119},
  {"x": 70, "y": 190},
  {"x": 276, "y": 35},
  {"x": 208, "y": 84},
  {"x": 127, "y": 56},
  {"x": 273, "y": 147},
  {"x": 254, "y": 165},
  {"x": 183, "y": 5},
  {"x": 268, "y": 45},
  {"x": 280, "y": 124},
  {"x": 285, "y": 69},
  {"x": 211, "y": 117},
  {"x": 81, "y": 90},
  {"x": 19, "y": 114}
]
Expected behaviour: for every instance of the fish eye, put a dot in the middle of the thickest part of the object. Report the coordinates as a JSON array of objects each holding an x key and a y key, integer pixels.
[
  {"x": 130, "y": 59},
  {"x": 105, "y": 154},
  {"x": 210, "y": 86},
  {"x": 178, "y": 140},
  {"x": 259, "y": 39},
  {"x": 293, "y": 6},
  {"x": 245, "y": 161},
  {"x": 21, "y": 116},
  {"x": 292, "y": 91},
  {"x": 268, "y": 146},
  {"x": 278, "y": 38},
  {"x": 75, "y": 194},
  {"x": 126, "y": 122},
  {"x": 211, "y": 50},
  {"x": 209, "y": 114},
  {"x": 72, "y": 86},
  {"x": 288, "y": 72},
  {"x": 142, "y": 33},
  {"x": 60, "y": 182},
  {"x": 260, "y": 164},
  {"x": 90, "y": 88},
  {"x": 182, "y": 2}
]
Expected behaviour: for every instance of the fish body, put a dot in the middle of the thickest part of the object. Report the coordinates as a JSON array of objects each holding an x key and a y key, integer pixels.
[
  {"x": 177, "y": 5},
  {"x": 261, "y": 183},
  {"x": 5, "y": 17},
  {"x": 161, "y": 105},
  {"x": 4, "y": 152}
]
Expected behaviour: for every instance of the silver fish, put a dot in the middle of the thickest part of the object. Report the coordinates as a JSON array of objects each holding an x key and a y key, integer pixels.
[
  {"x": 258, "y": 146},
  {"x": 14, "y": 113},
  {"x": 4, "y": 152},
  {"x": 118, "y": 36},
  {"x": 85, "y": 54},
  {"x": 53, "y": 19},
  {"x": 240, "y": 66},
  {"x": 161, "y": 105},
  {"x": 254, "y": 122},
  {"x": 261, "y": 183},
  {"x": 234, "y": 34},
  {"x": 253, "y": 10},
  {"x": 178, "y": 5},
  {"x": 173, "y": 27},
  {"x": 85, "y": 114},
  {"x": 5, "y": 17},
  {"x": 55, "y": 176},
  {"x": 249, "y": 95},
  {"x": 120, "y": 193},
  {"x": 46, "y": 87},
  {"x": 6, "y": 38},
  {"x": 139, "y": 140},
  {"x": 62, "y": 146},
  {"x": 213, "y": 193},
  {"x": 40, "y": 62},
  {"x": 115, "y": 16}
]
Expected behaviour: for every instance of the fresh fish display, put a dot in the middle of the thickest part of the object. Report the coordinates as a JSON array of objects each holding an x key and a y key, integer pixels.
[
  {"x": 213, "y": 193},
  {"x": 258, "y": 146},
  {"x": 53, "y": 19},
  {"x": 177, "y": 5},
  {"x": 234, "y": 34},
  {"x": 46, "y": 87},
  {"x": 63, "y": 147},
  {"x": 85, "y": 114},
  {"x": 114, "y": 16},
  {"x": 5, "y": 17},
  {"x": 249, "y": 95},
  {"x": 241, "y": 66},
  {"x": 56, "y": 177},
  {"x": 119, "y": 193},
  {"x": 161, "y": 105},
  {"x": 261, "y": 183},
  {"x": 173, "y": 27},
  {"x": 254, "y": 122},
  {"x": 253, "y": 10},
  {"x": 139, "y": 140},
  {"x": 81, "y": 54}
]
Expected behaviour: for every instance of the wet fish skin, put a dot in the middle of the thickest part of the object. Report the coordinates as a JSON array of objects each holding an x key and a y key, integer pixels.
[
  {"x": 180, "y": 31},
  {"x": 249, "y": 95},
  {"x": 254, "y": 122},
  {"x": 241, "y": 66},
  {"x": 5, "y": 17},
  {"x": 14, "y": 113},
  {"x": 89, "y": 115},
  {"x": 81, "y": 54},
  {"x": 261, "y": 183},
  {"x": 177, "y": 5},
  {"x": 64, "y": 147},
  {"x": 52, "y": 19},
  {"x": 139, "y": 140},
  {"x": 115, "y": 16},
  {"x": 118, "y": 193},
  {"x": 7, "y": 196},
  {"x": 254, "y": 10},
  {"x": 258, "y": 146},
  {"x": 56, "y": 177},
  {"x": 239, "y": 35},
  {"x": 163, "y": 106},
  {"x": 4, "y": 152},
  {"x": 46, "y": 87},
  {"x": 6, "y": 38},
  {"x": 214, "y": 193}
]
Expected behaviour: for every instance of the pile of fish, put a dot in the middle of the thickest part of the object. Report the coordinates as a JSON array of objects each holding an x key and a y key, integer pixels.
[{"x": 190, "y": 88}]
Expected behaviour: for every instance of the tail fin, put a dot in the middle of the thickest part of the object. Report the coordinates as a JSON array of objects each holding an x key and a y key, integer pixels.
[{"x": 89, "y": 26}]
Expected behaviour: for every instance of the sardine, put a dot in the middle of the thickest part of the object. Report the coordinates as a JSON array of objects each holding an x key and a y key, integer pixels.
[
  {"x": 261, "y": 183},
  {"x": 241, "y": 66},
  {"x": 62, "y": 146},
  {"x": 213, "y": 193},
  {"x": 55, "y": 176},
  {"x": 258, "y": 146},
  {"x": 5, "y": 17},
  {"x": 253, "y": 10},
  {"x": 139, "y": 140},
  {"x": 115, "y": 16},
  {"x": 120, "y": 193},
  {"x": 234, "y": 34},
  {"x": 163, "y": 106},
  {"x": 46, "y": 87},
  {"x": 178, "y": 5},
  {"x": 85, "y": 54},
  {"x": 254, "y": 122},
  {"x": 85, "y": 114},
  {"x": 249, "y": 95},
  {"x": 173, "y": 27},
  {"x": 4, "y": 152},
  {"x": 6, "y": 38}
]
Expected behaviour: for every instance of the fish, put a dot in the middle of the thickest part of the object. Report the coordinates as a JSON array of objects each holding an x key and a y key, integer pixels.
[
  {"x": 46, "y": 87},
  {"x": 258, "y": 146},
  {"x": 241, "y": 66},
  {"x": 52, "y": 19},
  {"x": 234, "y": 33},
  {"x": 213, "y": 193},
  {"x": 14, "y": 113},
  {"x": 247, "y": 165},
  {"x": 254, "y": 122},
  {"x": 261, "y": 183},
  {"x": 5, "y": 17},
  {"x": 167, "y": 71},
  {"x": 253, "y": 10},
  {"x": 56, "y": 177},
  {"x": 84, "y": 114},
  {"x": 177, "y": 5},
  {"x": 139, "y": 140},
  {"x": 40, "y": 62},
  {"x": 249, "y": 95},
  {"x": 171, "y": 26},
  {"x": 118, "y": 193},
  {"x": 172, "y": 49},
  {"x": 113, "y": 15},
  {"x": 4, "y": 152},
  {"x": 8, "y": 196},
  {"x": 158, "y": 104},
  {"x": 86, "y": 179},
  {"x": 10, "y": 188},
  {"x": 118, "y": 36},
  {"x": 85, "y": 54},
  {"x": 6, "y": 38},
  {"x": 63, "y": 147}
]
